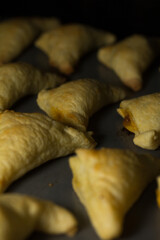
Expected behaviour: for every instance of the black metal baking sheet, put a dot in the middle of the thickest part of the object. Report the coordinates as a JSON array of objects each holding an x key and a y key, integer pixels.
[{"x": 52, "y": 180}]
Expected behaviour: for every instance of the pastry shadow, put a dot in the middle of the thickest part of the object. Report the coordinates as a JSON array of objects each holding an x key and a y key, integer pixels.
[
  {"x": 147, "y": 75},
  {"x": 135, "y": 220},
  {"x": 39, "y": 236}
]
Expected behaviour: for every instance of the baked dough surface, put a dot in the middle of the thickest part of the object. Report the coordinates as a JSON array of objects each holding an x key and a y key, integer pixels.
[
  {"x": 129, "y": 59},
  {"x": 20, "y": 79},
  {"x": 108, "y": 182},
  {"x": 67, "y": 44},
  {"x": 20, "y": 215},
  {"x": 28, "y": 140},
  {"x": 15, "y": 35},
  {"x": 142, "y": 117},
  {"x": 74, "y": 102}
]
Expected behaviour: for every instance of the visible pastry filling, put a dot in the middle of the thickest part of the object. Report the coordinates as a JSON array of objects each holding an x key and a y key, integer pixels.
[{"x": 128, "y": 121}]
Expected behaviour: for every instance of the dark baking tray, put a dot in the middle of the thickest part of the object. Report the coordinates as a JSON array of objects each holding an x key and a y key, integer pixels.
[{"x": 52, "y": 180}]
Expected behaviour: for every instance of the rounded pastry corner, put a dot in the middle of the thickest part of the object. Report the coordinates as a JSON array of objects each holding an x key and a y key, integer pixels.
[
  {"x": 73, "y": 230},
  {"x": 65, "y": 68},
  {"x": 149, "y": 140},
  {"x": 120, "y": 112},
  {"x": 101, "y": 53},
  {"x": 111, "y": 38},
  {"x": 135, "y": 84},
  {"x": 111, "y": 236}
]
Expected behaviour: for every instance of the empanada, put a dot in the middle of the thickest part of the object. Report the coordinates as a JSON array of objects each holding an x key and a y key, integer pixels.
[
  {"x": 20, "y": 79},
  {"x": 158, "y": 191},
  {"x": 20, "y": 215},
  {"x": 129, "y": 59},
  {"x": 67, "y": 44},
  {"x": 45, "y": 23},
  {"x": 142, "y": 117},
  {"x": 15, "y": 35},
  {"x": 74, "y": 102},
  {"x": 108, "y": 182},
  {"x": 28, "y": 140}
]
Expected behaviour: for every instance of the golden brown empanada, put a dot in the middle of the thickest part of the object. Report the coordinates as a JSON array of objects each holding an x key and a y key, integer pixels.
[
  {"x": 45, "y": 23},
  {"x": 108, "y": 182},
  {"x": 67, "y": 44},
  {"x": 15, "y": 35},
  {"x": 20, "y": 79},
  {"x": 142, "y": 117},
  {"x": 74, "y": 102},
  {"x": 20, "y": 215},
  {"x": 158, "y": 191},
  {"x": 28, "y": 140},
  {"x": 129, "y": 59}
]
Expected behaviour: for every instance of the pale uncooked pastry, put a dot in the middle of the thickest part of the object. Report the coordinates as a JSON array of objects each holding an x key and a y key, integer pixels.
[
  {"x": 20, "y": 215},
  {"x": 67, "y": 44},
  {"x": 20, "y": 79},
  {"x": 129, "y": 59},
  {"x": 28, "y": 140},
  {"x": 74, "y": 102},
  {"x": 108, "y": 182},
  {"x": 15, "y": 35},
  {"x": 45, "y": 23},
  {"x": 142, "y": 117},
  {"x": 158, "y": 191}
]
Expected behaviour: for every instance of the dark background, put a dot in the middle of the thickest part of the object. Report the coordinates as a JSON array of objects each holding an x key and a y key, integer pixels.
[{"x": 122, "y": 17}]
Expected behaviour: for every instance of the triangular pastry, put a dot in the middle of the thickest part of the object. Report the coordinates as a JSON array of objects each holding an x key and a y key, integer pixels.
[
  {"x": 45, "y": 23},
  {"x": 20, "y": 79},
  {"x": 108, "y": 182},
  {"x": 129, "y": 59},
  {"x": 68, "y": 43},
  {"x": 15, "y": 35},
  {"x": 74, "y": 102},
  {"x": 142, "y": 117},
  {"x": 28, "y": 140},
  {"x": 20, "y": 215}
]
